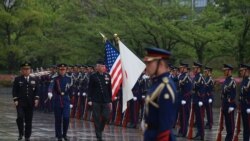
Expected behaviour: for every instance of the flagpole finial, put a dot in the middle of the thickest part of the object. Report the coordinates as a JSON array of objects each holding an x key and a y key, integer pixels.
[
  {"x": 116, "y": 37},
  {"x": 104, "y": 37}
]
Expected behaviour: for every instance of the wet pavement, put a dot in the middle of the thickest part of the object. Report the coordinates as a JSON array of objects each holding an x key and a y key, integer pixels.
[{"x": 79, "y": 130}]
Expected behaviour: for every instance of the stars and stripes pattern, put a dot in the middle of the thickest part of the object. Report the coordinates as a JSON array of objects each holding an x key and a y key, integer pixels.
[{"x": 114, "y": 67}]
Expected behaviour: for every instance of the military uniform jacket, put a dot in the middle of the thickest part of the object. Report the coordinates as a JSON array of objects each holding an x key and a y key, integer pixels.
[
  {"x": 245, "y": 93},
  {"x": 25, "y": 92},
  {"x": 161, "y": 105},
  {"x": 60, "y": 87},
  {"x": 228, "y": 93},
  {"x": 199, "y": 88},
  {"x": 185, "y": 85},
  {"x": 100, "y": 90},
  {"x": 209, "y": 88}
]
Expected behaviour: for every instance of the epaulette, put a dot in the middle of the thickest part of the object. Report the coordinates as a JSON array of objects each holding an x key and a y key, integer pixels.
[
  {"x": 54, "y": 75},
  {"x": 165, "y": 80}
]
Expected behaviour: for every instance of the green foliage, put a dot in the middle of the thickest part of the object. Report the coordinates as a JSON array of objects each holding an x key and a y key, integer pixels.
[{"x": 48, "y": 32}]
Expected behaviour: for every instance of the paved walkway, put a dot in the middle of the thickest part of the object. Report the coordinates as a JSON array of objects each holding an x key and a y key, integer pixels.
[{"x": 79, "y": 130}]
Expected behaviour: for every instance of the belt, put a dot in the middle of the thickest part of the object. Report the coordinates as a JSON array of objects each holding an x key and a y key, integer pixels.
[{"x": 151, "y": 126}]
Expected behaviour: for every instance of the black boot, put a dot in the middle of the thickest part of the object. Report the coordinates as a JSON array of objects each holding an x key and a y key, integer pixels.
[
  {"x": 198, "y": 137},
  {"x": 20, "y": 137}
]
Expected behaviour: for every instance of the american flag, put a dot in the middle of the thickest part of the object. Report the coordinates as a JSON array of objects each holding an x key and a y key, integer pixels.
[{"x": 114, "y": 67}]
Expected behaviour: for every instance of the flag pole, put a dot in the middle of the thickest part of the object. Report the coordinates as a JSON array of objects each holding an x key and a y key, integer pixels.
[{"x": 104, "y": 37}]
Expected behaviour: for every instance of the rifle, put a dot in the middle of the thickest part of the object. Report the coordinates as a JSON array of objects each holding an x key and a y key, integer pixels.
[
  {"x": 72, "y": 113},
  {"x": 78, "y": 108},
  {"x": 220, "y": 129},
  {"x": 238, "y": 121},
  {"x": 84, "y": 108},
  {"x": 191, "y": 123},
  {"x": 118, "y": 113}
]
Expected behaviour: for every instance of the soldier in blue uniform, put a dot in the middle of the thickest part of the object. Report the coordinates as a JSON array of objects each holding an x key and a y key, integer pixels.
[
  {"x": 185, "y": 85},
  {"x": 60, "y": 87},
  {"x": 25, "y": 96},
  {"x": 198, "y": 100},
  {"x": 245, "y": 100},
  {"x": 208, "y": 102},
  {"x": 228, "y": 101},
  {"x": 161, "y": 99}
]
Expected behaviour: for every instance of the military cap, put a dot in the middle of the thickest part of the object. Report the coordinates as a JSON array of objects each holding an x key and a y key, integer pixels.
[
  {"x": 61, "y": 65},
  {"x": 100, "y": 61},
  {"x": 183, "y": 65},
  {"x": 25, "y": 65},
  {"x": 244, "y": 66},
  {"x": 208, "y": 68},
  {"x": 91, "y": 66},
  {"x": 227, "y": 67},
  {"x": 154, "y": 53},
  {"x": 196, "y": 64}
]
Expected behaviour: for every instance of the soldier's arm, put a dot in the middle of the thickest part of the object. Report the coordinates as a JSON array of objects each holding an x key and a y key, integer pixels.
[
  {"x": 15, "y": 90},
  {"x": 51, "y": 86},
  {"x": 232, "y": 94},
  {"x": 90, "y": 88},
  {"x": 36, "y": 92},
  {"x": 110, "y": 89}
]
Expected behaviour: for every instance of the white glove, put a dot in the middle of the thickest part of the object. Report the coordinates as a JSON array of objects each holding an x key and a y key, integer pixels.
[
  {"x": 134, "y": 98},
  {"x": 210, "y": 100},
  {"x": 200, "y": 103},
  {"x": 230, "y": 109},
  {"x": 50, "y": 95},
  {"x": 183, "y": 102},
  {"x": 36, "y": 103},
  {"x": 248, "y": 110},
  {"x": 143, "y": 96},
  {"x": 16, "y": 103},
  {"x": 83, "y": 94},
  {"x": 145, "y": 76},
  {"x": 71, "y": 106},
  {"x": 116, "y": 98},
  {"x": 90, "y": 103},
  {"x": 78, "y": 93},
  {"x": 143, "y": 125}
]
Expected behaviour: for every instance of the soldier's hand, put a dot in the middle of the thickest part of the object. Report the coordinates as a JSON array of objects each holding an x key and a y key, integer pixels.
[
  {"x": 71, "y": 106},
  {"x": 36, "y": 103},
  {"x": 50, "y": 95},
  {"x": 183, "y": 102},
  {"x": 230, "y": 109},
  {"x": 200, "y": 103},
  {"x": 248, "y": 110},
  {"x": 16, "y": 103},
  {"x": 90, "y": 103},
  {"x": 84, "y": 94},
  {"x": 210, "y": 100},
  {"x": 110, "y": 106}
]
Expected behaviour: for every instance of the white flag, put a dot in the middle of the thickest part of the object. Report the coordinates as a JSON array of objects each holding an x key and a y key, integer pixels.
[{"x": 132, "y": 67}]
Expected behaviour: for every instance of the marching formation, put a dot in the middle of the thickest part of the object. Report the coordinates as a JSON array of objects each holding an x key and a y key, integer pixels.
[{"x": 165, "y": 98}]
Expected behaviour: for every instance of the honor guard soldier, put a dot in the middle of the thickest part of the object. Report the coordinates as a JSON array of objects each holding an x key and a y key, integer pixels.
[
  {"x": 100, "y": 96},
  {"x": 161, "y": 100},
  {"x": 185, "y": 85},
  {"x": 25, "y": 96},
  {"x": 198, "y": 100},
  {"x": 208, "y": 103},
  {"x": 228, "y": 101},
  {"x": 60, "y": 87},
  {"x": 245, "y": 100}
]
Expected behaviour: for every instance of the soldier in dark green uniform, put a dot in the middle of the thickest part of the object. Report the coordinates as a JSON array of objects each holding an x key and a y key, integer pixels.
[{"x": 99, "y": 96}]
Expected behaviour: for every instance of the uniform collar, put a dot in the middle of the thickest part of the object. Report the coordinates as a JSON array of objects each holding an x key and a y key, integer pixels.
[{"x": 166, "y": 74}]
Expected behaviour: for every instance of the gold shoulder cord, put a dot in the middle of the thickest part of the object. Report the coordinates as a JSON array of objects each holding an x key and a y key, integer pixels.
[{"x": 157, "y": 92}]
